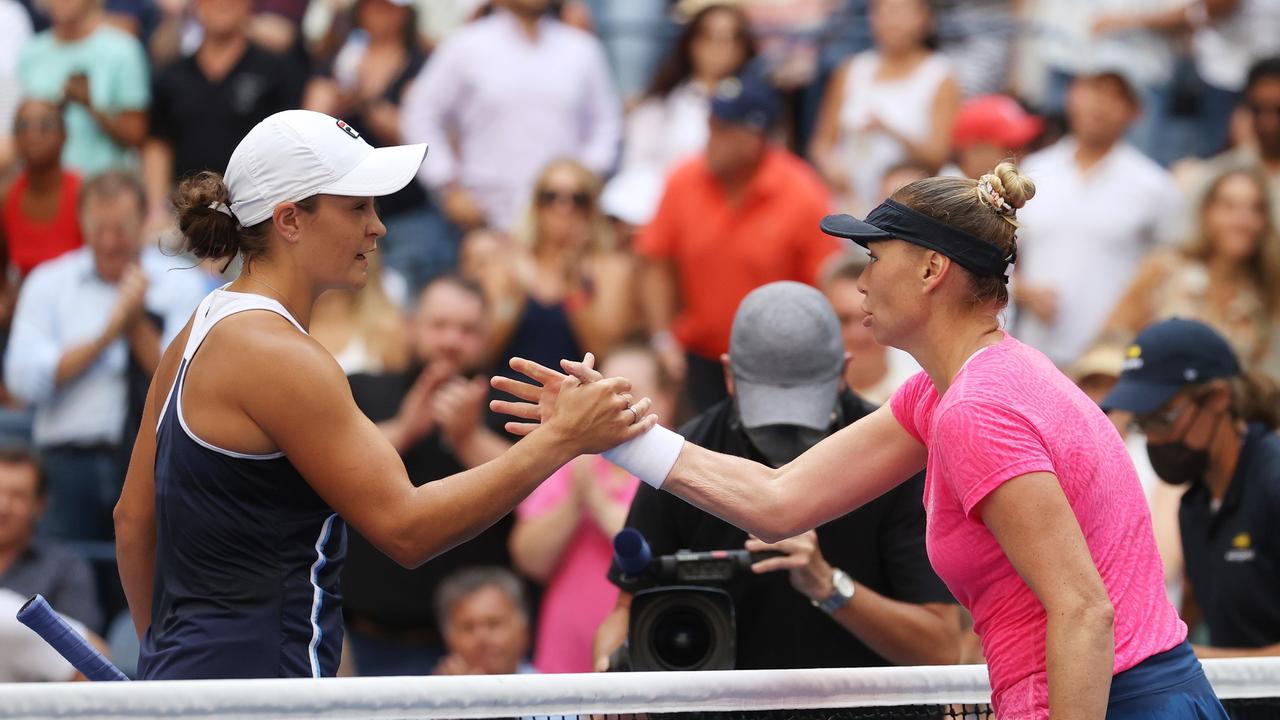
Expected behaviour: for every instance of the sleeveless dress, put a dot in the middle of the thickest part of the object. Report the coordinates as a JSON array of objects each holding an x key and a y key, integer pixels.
[{"x": 248, "y": 556}]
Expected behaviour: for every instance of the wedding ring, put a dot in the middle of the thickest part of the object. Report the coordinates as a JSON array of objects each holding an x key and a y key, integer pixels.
[{"x": 636, "y": 414}]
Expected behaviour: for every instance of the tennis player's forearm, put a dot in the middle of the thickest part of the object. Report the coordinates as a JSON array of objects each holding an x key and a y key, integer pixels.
[
  {"x": 448, "y": 512},
  {"x": 901, "y": 632},
  {"x": 1080, "y": 656},
  {"x": 136, "y": 561},
  {"x": 739, "y": 491}
]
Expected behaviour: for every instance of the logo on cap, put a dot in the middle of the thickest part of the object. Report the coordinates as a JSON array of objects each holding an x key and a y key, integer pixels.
[
  {"x": 729, "y": 88},
  {"x": 349, "y": 130},
  {"x": 1132, "y": 358}
]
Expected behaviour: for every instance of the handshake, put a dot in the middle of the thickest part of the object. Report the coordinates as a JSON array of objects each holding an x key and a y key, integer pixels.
[{"x": 585, "y": 411}]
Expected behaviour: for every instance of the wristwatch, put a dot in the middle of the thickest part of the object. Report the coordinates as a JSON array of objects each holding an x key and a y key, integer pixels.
[{"x": 841, "y": 592}]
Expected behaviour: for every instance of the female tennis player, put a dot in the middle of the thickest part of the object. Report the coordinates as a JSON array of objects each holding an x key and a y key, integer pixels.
[
  {"x": 230, "y": 532},
  {"x": 1036, "y": 519}
]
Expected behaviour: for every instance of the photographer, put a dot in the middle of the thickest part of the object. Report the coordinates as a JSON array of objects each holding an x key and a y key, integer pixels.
[{"x": 867, "y": 569}]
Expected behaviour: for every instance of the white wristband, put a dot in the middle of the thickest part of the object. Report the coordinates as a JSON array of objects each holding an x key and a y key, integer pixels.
[{"x": 649, "y": 457}]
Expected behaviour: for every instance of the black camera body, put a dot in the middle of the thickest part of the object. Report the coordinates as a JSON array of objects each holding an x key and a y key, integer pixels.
[{"x": 681, "y": 616}]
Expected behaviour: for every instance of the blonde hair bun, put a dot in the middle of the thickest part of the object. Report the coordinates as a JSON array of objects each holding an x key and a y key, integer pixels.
[{"x": 1006, "y": 185}]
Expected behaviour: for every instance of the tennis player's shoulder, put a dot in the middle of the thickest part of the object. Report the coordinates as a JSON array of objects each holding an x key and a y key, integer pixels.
[{"x": 271, "y": 349}]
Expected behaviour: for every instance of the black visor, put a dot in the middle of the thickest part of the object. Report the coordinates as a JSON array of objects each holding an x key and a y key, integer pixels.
[{"x": 893, "y": 220}]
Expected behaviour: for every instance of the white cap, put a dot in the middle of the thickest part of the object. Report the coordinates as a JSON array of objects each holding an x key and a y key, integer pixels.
[
  {"x": 632, "y": 196},
  {"x": 295, "y": 154}
]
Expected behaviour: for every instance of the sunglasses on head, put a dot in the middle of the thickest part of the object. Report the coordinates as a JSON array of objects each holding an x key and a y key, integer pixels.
[{"x": 548, "y": 197}]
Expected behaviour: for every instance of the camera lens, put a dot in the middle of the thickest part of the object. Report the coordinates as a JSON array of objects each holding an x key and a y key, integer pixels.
[{"x": 682, "y": 639}]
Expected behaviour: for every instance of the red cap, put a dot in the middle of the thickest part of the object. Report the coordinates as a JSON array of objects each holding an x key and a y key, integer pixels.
[{"x": 997, "y": 119}]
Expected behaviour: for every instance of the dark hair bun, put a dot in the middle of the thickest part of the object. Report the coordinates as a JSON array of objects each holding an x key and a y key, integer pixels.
[{"x": 209, "y": 232}]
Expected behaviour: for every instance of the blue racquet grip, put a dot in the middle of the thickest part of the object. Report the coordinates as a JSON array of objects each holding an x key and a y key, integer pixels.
[{"x": 71, "y": 645}]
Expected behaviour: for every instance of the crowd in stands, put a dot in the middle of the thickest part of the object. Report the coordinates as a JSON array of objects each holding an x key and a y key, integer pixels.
[{"x": 614, "y": 177}]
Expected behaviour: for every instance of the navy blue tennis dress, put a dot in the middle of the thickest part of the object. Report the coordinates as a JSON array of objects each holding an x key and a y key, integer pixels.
[{"x": 247, "y": 554}]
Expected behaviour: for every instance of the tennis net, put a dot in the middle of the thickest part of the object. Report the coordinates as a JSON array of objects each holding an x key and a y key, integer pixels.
[{"x": 1249, "y": 687}]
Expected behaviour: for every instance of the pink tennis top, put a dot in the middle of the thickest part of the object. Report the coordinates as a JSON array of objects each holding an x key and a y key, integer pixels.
[{"x": 1010, "y": 412}]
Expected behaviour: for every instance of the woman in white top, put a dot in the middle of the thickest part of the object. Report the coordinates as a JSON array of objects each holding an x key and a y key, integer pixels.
[
  {"x": 363, "y": 329},
  {"x": 884, "y": 106},
  {"x": 670, "y": 123}
]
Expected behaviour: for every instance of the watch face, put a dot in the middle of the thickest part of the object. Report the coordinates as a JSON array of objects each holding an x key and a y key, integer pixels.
[{"x": 843, "y": 583}]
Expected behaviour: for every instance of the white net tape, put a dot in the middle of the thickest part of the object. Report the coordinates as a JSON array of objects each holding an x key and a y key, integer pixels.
[{"x": 530, "y": 695}]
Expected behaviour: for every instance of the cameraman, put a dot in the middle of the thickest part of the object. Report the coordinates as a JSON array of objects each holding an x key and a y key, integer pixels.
[{"x": 867, "y": 570}]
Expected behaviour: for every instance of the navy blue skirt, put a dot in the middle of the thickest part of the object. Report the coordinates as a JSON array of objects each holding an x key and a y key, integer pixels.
[{"x": 1170, "y": 685}]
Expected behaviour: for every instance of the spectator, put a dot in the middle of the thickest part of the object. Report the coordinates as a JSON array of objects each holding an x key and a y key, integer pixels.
[
  {"x": 363, "y": 329},
  {"x": 431, "y": 414},
  {"x": 989, "y": 130},
  {"x": 1261, "y": 105},
  {"x": 31, "y": 565},
  {"x": 1228, "y": 276},
  {"x": 670, "y": 123},
  {"x": 99, "y": 74},
  {"x": 511, "y": 92},
  {"x": 87, "y": 335},
  {"x": 485, "y": 621},
  {"x": 202, "y": 104},
  {"x": 977, "y": 37},
  {"x": 1103, "y": 206},
  {"x": 563, "y": 536},
  {"x": 39, "y": 220},
  {"x": 867, "y": 570},
  {"x": 742, "y": 187},
  {"x": 1213, "y": 426},
  {"x": 1072, "y": 40},
  {"x": 15, "y": 30},
  {"x": 893, "y": 103},
  {"x": 366, "y": 87},
  {"x": 900, "y": 176},
  {"x": 562, "y": 289},
  {"x": 1227, "y": 36},
  {"x": 873, "y": 371}
]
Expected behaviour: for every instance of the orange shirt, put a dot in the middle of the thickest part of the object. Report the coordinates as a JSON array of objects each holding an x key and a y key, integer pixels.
[{"x": 721, "y": 252}]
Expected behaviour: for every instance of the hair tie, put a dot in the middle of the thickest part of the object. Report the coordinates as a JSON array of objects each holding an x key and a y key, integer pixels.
[
  {"x": 222, "y": 208},
  {"x": 995, "y": 199}
]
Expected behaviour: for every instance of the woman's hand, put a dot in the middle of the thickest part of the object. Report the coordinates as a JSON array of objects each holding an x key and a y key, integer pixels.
[{"x": 590, "y": 417}]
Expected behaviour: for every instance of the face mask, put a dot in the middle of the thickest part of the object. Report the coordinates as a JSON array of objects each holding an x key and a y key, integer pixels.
[
  {"x": 780, "y": 444},
  {"x": 1177, "y": 463}
]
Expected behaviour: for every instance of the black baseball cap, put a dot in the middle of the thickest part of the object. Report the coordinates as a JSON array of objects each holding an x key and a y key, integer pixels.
[{"x": 1166, "y": 357}]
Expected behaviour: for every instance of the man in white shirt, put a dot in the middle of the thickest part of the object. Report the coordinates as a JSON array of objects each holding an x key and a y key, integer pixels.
[
  {"x": 502, "y": 97},
  {"x": 87, "y": 335},
  {"x": 1100, "y": 206}
]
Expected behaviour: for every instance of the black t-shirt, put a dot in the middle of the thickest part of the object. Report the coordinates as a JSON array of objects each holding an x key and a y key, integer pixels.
[
  {"x": 375, "y": 587},
  {"x": 412, "y": 196},
  {"x": 880, "y": 545},
  {"x": 1233, "y": 555},
  {"x": 204, "y": 120}
]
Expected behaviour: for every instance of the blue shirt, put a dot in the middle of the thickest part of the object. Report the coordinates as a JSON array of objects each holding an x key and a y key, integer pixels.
[
  {"x": 65, "y": 303},
  {"x": 116, "y": 65}
]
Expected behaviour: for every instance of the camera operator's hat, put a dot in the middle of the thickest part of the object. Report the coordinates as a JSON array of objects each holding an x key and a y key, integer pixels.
[
  {"x": 787, "y": 355},
  {"x": 295, "y": 154},
  {"x": 1166, "y": 357}
]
